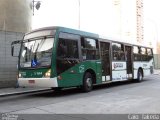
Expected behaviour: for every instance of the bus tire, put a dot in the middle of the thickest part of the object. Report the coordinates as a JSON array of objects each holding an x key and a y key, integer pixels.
[
  {"x": 87, "y": 82},
  {"x": 139, "y": 75}
]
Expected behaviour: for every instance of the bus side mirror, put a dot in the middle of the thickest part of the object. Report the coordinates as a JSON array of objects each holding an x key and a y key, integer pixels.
[
  {"x": 15, "y": 47},
  {"x": 12, "y": 50}
]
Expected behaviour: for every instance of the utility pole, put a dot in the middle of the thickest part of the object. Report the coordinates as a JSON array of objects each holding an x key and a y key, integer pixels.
[{"x": 36, "y": 4}]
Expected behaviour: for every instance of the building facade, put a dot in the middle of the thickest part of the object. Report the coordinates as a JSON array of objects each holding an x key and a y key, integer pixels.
[
  {"x": 15, "y": 20},
  {"x": 129, "y": 17}
]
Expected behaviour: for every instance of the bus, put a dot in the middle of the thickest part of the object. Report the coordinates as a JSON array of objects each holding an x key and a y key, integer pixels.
[{"x": 59, "y": 57}]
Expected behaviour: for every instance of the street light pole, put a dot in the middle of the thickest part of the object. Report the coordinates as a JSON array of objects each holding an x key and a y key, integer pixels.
[
  {"x": 79, "y": 14},
  {"x": 37, "y": 5}
]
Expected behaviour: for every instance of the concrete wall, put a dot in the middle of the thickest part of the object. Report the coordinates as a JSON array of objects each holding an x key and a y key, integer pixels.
[
  {"x": 8, "y": 64},
  {"x": 157, "y": 61},
  {"x": 15, "y": 15},
  {"x": 15, "y": 20}
]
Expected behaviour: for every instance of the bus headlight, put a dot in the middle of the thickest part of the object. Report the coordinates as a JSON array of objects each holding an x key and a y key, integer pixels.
[
  {"x": 20, "y": 75},
  {"x": 48, "y": 73}
]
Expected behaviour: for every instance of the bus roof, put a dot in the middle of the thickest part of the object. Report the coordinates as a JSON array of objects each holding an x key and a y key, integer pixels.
[
  {"x": 78, "y": 32},
  {"x": 65, "y": 29},
  {"x": 112, "y": 39},
  {"x": 83, "y": 33}
]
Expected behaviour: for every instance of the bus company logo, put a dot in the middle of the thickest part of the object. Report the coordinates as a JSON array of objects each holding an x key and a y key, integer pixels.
[
  {"x": 81, "y": 68},
  {"x": 37, "y": 73},
  {"x": 118, "y": 65}
]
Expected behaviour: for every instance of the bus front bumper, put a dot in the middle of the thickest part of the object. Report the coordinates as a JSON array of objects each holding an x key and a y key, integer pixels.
[{"x": 38, "y": 82}]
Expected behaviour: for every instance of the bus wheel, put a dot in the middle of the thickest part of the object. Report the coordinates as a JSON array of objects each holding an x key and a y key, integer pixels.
[
  {"x": 139, "y": 76},
  {"x": 87, "y": 82}
]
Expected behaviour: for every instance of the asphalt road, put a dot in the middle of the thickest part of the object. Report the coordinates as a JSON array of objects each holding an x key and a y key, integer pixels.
[{"x": 115, "y": 98}]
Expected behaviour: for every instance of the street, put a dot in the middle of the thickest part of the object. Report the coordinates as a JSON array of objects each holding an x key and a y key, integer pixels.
[{"x": 116, "y": 98}]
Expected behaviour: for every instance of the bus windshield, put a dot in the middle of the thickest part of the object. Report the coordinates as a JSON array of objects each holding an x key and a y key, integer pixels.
[{"x": 36, "y": 53}]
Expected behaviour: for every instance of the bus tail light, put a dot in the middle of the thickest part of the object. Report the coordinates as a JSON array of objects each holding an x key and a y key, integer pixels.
[{"x": 48, "y": 73}]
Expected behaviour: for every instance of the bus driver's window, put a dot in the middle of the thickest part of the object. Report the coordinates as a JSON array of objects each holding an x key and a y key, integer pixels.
[
  {"x": 84, "y": 54},
  {"x": 89, "y": 49},
  {"x": 62, "y": 49}
]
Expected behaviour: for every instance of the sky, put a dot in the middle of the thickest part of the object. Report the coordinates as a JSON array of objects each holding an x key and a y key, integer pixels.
[
  {"x": 66, "y": 13},
  {"x": 102, "y": 17},
  {"x": 152, "y": 21}
]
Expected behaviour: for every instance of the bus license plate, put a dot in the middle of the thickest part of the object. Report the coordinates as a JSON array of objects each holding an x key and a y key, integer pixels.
[{"x": 31, "y": 81}]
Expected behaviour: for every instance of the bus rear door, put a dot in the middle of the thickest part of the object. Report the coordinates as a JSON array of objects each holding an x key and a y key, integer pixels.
[
  {"x": 128, "y": 53},
  {"x": 105, "y": 56}
]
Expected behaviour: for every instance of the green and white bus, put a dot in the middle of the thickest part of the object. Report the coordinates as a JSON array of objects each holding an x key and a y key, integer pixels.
[{"x": 59, "y": 57}]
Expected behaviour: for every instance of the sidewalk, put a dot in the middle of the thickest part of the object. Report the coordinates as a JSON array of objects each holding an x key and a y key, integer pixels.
[
  {"x": 20, "y": 90},
  {"x": 156, "y": 71}
]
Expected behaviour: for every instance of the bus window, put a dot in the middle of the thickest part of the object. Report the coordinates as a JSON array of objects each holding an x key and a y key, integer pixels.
[
  {"x": 136, "y": 52},
  {"x": 90, "y": 43},
  {"x": 149, "y": 54},
  {"x": 143, "y": 51},
  {"x": 143, "y": 54},
  {"x": 62, "y": 49},
  {"x": 67, "y": 48},
  {"x": 89, "y": 49},
  {"x": 67, "y": 52},
  {"x": 118, "y": 51}
]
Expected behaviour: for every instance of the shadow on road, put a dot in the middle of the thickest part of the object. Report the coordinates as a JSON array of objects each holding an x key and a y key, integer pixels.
[
  {"x": 76, "y": 92},
  {"x": 97, "y": 88}
]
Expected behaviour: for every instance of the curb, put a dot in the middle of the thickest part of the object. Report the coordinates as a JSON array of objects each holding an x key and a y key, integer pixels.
[{"x": 23, "y": 92}]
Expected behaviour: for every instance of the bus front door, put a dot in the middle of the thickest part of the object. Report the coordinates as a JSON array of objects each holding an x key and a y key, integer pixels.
[
  {"x": 105, "y": 56},
  {"x": 128, "y": 52}
]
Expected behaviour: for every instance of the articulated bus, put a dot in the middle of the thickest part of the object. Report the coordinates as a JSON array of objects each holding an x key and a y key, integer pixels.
[{"x": 59, "y": 57}]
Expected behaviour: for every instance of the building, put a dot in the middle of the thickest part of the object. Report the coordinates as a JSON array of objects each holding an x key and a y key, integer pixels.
[
  {"x": 15, "y": 20},
  {"x": 135, "y": 24},
  {"x": 129, "y": 17}
]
